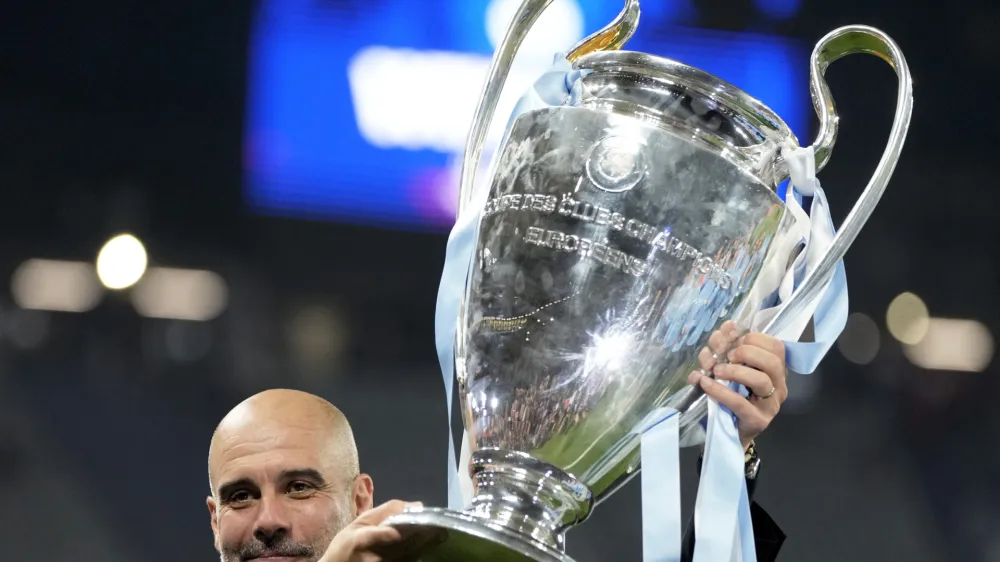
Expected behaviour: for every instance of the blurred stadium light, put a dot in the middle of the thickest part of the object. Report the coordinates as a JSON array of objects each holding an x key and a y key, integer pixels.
[
  {"x": 953, "y": 345},
  {"x": 121, "y": 262},
  {"x": 62, "y": 286},
  {"x": 180, "y": 294},
  {"x": 318, "y": 337},
  {"x": 860, "y": 340},
  {"x": 907, "y": 318}
]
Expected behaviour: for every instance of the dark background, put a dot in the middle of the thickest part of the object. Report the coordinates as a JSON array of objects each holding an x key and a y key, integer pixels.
[{"x": 120, "y": 115}]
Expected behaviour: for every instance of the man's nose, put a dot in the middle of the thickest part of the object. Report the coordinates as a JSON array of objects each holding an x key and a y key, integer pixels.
[{"x": 272, "y": 521}]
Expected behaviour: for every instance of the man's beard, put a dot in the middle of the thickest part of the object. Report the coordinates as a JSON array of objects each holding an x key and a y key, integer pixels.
[
  {"x": 282, "y": 546},
  {"x": 277, "y": 548}
]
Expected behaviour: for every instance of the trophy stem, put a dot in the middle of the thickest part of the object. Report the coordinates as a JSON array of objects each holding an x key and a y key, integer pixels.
[{"x": 527, "y": 496}]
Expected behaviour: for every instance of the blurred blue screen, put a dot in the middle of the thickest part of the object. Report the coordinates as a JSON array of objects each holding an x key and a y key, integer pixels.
[{"x": 358, "y": 110}]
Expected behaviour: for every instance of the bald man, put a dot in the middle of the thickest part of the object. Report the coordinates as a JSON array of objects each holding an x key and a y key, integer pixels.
[{"x": 286, "y": 486}]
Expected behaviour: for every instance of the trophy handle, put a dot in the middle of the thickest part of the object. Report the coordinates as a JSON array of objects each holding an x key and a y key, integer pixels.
[
  {"x": 839, "y": 43},
  {"x": 614, "y": 36}
]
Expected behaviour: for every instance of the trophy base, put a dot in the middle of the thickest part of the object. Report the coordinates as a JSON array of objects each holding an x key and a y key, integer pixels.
[{"x": 466, "y": 538}]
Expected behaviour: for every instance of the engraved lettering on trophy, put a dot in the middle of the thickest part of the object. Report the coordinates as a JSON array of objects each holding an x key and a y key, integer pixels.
[
  {"x": 661, "y": 240},
  {"x": 567, "y": 205},
  {"x": 634, "y": 228},
  {"x": 588, "y": 212},
  {"x": 534, "y": 235},
  {"x": 544, "y": 203},
  {"x": 601, "y": 253},
  {"x": 520, "y": 202},
  {"x": 513, "y": 201}
]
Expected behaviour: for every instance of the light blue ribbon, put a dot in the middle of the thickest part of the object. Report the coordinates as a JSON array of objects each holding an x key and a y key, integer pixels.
[
  {"x": 830, "y": 315},
  {"x": 661, "y": 479},
  {"x": 722, "y": 495},
  {"x": 458, "y": 260},
  {"x": 717, "y": 507},
  {"x": 748, "y": 550}
]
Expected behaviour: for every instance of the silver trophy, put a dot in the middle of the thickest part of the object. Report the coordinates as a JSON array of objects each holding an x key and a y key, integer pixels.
[{"x": 620, "y": 230}]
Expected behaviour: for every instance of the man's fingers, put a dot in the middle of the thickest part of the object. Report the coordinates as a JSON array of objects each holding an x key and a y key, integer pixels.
[
  {"x": 718, "y": 343},
  {"x": 729, "y": 329},
  {"x": 379, "y": 514},
  {"x": 758, "y": 382},
  {"x": 764, "y": 341},
  {"x": 715, "y": 350},
  {"x": 762, "y": 360},
  {"x": 756, "y": 361},
  {"x": 750, "y": 416},
  {"x": 705, "y": 359},
  {"x": 373, "y": 538},
  {"x": 722, "y": 339}
]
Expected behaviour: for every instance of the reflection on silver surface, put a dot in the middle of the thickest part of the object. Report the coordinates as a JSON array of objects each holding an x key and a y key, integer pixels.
[
  {"x": 584, "y": 315},
  {"x": 621, "y": 229}
]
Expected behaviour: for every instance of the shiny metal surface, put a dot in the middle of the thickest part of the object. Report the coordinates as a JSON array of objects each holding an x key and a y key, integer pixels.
[
  {"x": 503, "y": 58},
  {"x": 468, "y": 538},
  {"x": 620, "y": 231},
  {"x": 528, "y": 495},
  {"x": 613, "y": 36},
  {"x": 609, "y": 250},
  {"x": 710, "y": 112}
]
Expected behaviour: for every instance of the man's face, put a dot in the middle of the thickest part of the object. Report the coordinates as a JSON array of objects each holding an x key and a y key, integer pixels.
[{"x": 276, "y": 498}]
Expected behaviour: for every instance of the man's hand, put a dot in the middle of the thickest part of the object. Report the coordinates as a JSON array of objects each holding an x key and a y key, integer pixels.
[
  {"x": 366, "y": 540},
  {"x": 756, "y": 361}
]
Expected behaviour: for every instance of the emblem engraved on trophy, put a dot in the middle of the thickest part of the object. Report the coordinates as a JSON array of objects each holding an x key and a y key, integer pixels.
[
  {"x": 620, "y": 229},
  {"x": 616, "y": 163}
]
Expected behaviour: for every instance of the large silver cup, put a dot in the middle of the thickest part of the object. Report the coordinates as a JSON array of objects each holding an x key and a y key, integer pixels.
[{"x": 620, "y": 230}]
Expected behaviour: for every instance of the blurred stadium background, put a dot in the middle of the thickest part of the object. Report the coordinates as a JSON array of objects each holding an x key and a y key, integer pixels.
[{"x": 206, "y": 199}]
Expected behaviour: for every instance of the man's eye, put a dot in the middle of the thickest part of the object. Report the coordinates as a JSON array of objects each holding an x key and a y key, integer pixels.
[
  {"x": 237, "y": 499},
  {"x": 300, "y": 488}
]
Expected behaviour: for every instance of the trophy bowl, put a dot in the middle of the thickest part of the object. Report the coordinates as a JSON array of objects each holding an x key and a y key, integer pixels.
[{"x": 619, "y": 230}]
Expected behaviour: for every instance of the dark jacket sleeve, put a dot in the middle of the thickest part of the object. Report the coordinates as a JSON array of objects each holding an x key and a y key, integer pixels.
[{"x": 767, "y": 536}]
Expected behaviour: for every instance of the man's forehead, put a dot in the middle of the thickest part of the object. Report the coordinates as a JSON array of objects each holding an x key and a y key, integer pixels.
[
  {"x": 268, "y": 446},
  {"x": 289, "y": 426}
]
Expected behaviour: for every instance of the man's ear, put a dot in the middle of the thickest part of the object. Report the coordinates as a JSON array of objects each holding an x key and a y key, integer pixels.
[
  {"x": 363, "y": 494},
  {"x": 214, "y": 513}
]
